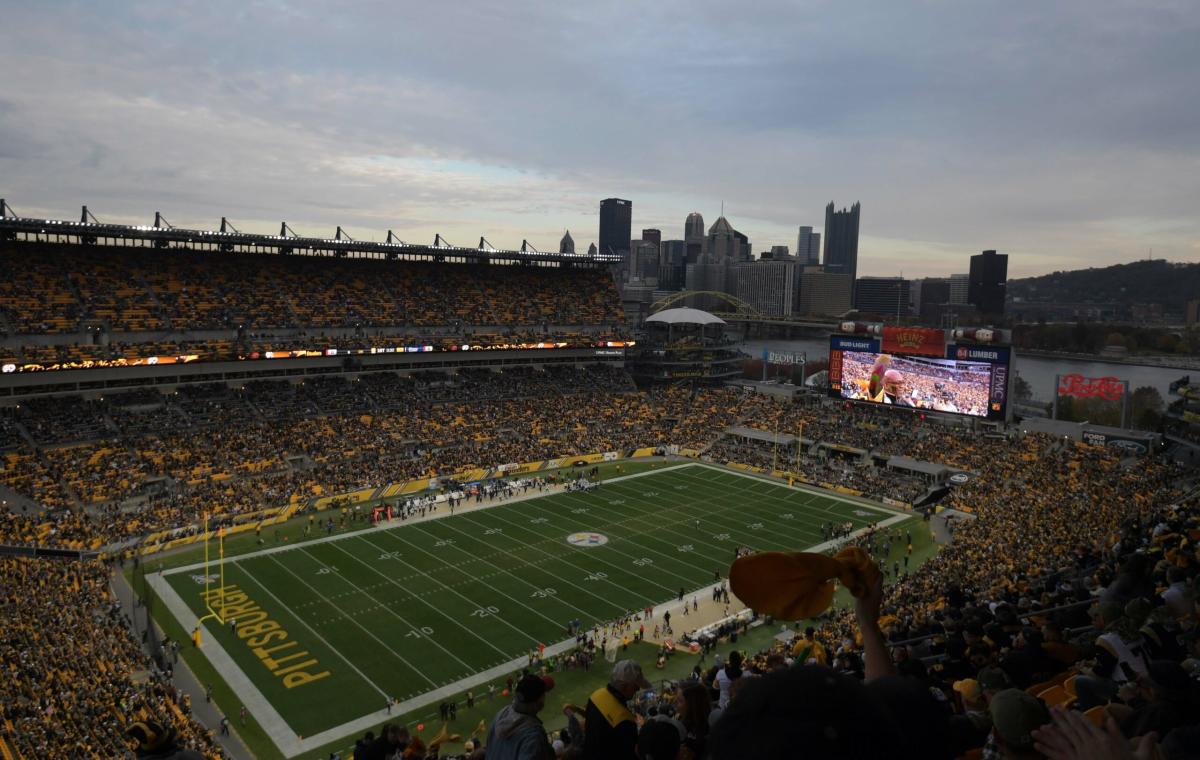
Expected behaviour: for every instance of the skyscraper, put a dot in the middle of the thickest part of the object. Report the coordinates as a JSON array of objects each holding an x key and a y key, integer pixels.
[
  {"x": 826, "y": 293},
  {"x": 643, "y": 261},
  {"x": 883, "y": 296},
  {"x": 771, "y": 287},
  {"x": 652, "y": 235},
  {"x": 959, "y": 287},
  {"x": 725, "y": 244},
  {"x": 567, "y": 244},
  {"x": 672, "y": 264},
  {"x": 616, "y": 226},
  {"x": 808, "y": 247},
  {"x": 987, "y": 286},
  {"x": 841, "y": 240},
  {"x": 693, "y": 236}
]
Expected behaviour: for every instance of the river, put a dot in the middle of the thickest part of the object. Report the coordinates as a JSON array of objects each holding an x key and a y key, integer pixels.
[{"x": 1037, "y": 371}]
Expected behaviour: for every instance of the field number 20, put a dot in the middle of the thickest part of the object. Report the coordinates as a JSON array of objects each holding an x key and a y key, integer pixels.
[{"x": 485, "y": 611}]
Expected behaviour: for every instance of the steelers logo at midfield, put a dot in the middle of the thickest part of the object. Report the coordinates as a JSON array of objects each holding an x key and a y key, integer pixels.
[{"x": 587, "y": 539}]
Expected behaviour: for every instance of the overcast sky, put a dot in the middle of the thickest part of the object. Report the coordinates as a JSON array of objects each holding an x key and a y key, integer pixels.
[{"x": 1066, "y": 134}]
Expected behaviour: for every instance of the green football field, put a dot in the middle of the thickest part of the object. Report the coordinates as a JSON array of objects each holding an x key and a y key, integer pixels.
[{"x": 331, "y": 627}]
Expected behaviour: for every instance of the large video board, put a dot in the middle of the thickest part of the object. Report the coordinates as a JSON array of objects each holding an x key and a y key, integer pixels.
[{"x": 963, "y": 379}]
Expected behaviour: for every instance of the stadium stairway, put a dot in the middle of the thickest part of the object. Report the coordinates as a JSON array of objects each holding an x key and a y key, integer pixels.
[
  {"x": 7, "y": 750},
  {"x": 16, "y": 501},
  {"x": 184, "y": 680},
  {"x": 159, "y": 310},
  {"x": 74, "y": 291}
]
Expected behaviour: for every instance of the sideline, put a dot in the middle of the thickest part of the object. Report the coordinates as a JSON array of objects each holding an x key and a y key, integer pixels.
[
  {"x": 207, "y": 714},
  {"x": 291, "y": 744}
]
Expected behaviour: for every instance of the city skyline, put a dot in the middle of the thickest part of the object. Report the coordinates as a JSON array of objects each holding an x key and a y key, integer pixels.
[{"x": 1059, "y": 134}]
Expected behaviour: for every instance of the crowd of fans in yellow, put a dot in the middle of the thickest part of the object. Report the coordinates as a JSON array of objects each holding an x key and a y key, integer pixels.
[
  {"x": 1052, "y": 521},
  {"x": 74, "y": 677},
  {"x": 60, "y": 289}
]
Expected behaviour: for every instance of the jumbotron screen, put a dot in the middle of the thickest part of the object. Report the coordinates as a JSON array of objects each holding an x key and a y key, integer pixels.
[{"x": 975, "y": 384}]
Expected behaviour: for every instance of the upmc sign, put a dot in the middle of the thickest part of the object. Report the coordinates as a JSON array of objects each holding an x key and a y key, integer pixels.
[
  {"x": 1078, "y": 386},
  {"x": 999, "y": 358}
]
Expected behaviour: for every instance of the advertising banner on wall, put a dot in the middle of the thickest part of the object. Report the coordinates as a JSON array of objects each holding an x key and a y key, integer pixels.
[
  {"x": 1108, "y": 388},
  {"x": 922, "y": 341}
]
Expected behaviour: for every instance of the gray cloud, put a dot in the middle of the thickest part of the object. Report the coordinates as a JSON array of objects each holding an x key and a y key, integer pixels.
[{"x": 1063, "y": 133}]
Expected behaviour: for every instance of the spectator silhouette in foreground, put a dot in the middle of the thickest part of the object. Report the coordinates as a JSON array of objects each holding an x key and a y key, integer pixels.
[
  {"x": 517, "y": 732},
  {"x": 612, "y": 732}
]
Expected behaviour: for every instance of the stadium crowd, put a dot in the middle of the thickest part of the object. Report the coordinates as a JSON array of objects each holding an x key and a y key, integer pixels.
[
  {"x": 130, "y": 464},
  {"x": 1055, "y": 525},
  {"x": 264, "y": 444},
  {"x": 1062, "y": 622},
  {"x": 63, "y": 289},
  {"x": 74, "y": 677}
]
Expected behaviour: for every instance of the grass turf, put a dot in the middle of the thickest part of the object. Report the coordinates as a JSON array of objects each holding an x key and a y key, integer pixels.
[{"x": 409, "y": 609}]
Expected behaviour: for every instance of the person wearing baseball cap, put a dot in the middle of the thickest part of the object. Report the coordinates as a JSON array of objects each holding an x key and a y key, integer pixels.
[
  {"x": 1015, "y": 716},
  {"x": 517, "y": 732},
  {"x": 612, "y": 732}
]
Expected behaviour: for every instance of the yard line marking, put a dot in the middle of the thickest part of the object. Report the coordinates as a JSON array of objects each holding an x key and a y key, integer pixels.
[
  {"x": 470, "y": 668},
  {"x": 320, "y": 638},
  {"x": 497, "y": 617},
  {"x": 772, "y": 496},
  {"x": 385, "y": 526},
  {"x": 675, "y": 558},
  {"x": 556, "y": 623},
  {"x": 860, "y": 501},
  {"x": 722, "y": 513},
  {"x": 344, "y": 616},
  {"x": 595, "y": 556},
  {"x": 526, "y": 563},
  {"x": 291, "y": 745}
]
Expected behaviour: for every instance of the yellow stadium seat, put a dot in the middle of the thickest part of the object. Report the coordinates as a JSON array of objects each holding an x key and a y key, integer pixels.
[
  {"x": 1097, "y": 715},
  {"x": 1056, "y": 695}
]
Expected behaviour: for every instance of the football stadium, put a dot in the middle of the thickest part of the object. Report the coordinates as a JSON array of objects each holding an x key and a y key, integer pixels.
[{"x": 268, "y": 496}]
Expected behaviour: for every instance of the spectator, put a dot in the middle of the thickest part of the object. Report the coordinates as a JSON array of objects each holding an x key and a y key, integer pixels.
[
  {"x": 517, "y": 732},
  {"x": 392, "y": 740},
  {"x": 692, "y": 708},
  {"x": 808, "y": 711},
  {"x": 660, "y": 739},
  {"x": 1015, "y": 717},
  {"x": 611, "y": 729}
]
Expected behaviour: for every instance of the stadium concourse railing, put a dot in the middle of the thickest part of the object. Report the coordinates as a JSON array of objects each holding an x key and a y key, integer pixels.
[{"x": 47, "y": 552}]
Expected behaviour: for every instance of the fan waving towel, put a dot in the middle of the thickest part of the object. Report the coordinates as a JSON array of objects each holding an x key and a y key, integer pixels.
[{"x": 798, "y": 586}]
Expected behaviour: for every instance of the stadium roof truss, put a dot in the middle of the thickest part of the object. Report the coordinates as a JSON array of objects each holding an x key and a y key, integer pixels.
[{"x": 90, "y": 231}]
